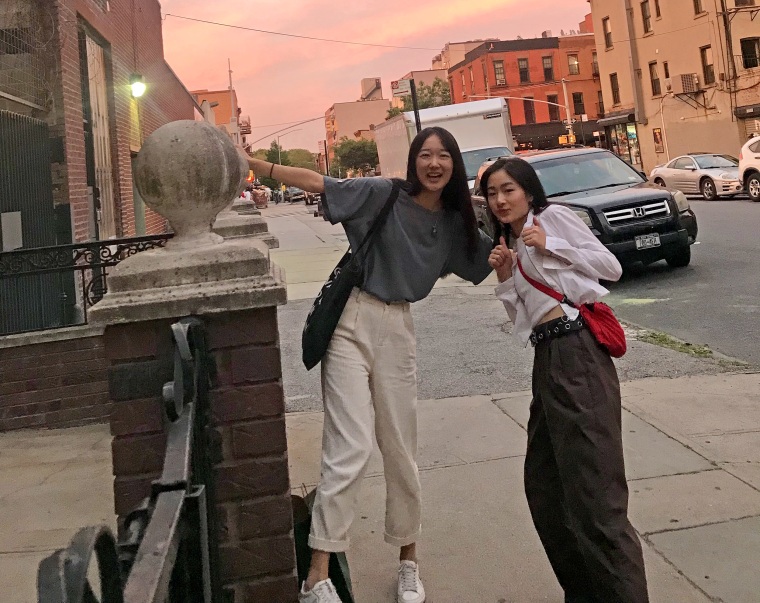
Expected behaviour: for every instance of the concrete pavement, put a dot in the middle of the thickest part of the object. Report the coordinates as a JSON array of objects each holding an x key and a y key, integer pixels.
[{"x": 692, "y": 447}]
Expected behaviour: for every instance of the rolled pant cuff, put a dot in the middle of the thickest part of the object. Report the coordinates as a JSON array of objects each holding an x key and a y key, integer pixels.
[
  {"x": 395, "y": 541},
  {"x": 328, "y": 546}
]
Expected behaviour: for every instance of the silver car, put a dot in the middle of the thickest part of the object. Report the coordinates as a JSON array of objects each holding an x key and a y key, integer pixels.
[{"x": 706, "y": 174}]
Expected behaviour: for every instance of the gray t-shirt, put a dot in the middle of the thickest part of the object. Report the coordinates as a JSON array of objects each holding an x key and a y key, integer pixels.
[{"x": 415, "y": 247}]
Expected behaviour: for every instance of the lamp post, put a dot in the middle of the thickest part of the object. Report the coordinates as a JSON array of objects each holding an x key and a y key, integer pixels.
[{"x": 662, "y": 119}]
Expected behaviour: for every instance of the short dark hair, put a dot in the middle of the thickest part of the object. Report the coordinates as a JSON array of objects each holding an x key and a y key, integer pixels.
[
  {"x": 456, "y": 194},
  {"x": 523, "y": 173}
]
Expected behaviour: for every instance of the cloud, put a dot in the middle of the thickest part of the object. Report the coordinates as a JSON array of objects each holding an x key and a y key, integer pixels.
[{"x": 281, "y": 79}]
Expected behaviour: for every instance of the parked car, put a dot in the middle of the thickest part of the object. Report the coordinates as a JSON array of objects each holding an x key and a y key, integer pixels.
[
  {"x": 312, "y": 198},
  {"x": 708, "y": 174},
  {"x": 293, "y": 194},
  {"x": 749, "y": 167},
  {"x": 636, "y": 220}
]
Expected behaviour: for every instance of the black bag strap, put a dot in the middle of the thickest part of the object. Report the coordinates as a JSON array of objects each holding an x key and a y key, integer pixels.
[{"x": 374, "y": 229}]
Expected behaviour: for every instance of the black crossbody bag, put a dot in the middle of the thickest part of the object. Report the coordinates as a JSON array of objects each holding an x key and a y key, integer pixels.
[{"x": 328, "y": 306}]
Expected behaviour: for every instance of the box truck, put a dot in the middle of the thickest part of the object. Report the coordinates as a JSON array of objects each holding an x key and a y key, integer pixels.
[{"x": 481, "y": 128}]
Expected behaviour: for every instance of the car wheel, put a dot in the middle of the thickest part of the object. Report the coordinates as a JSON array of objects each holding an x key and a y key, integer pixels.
[
  {"x": 707, "y": 188},
  {"x": 680, "y": 258},
  {"x": 753, "y": 187},
  {"x": 659, "y": 182}
]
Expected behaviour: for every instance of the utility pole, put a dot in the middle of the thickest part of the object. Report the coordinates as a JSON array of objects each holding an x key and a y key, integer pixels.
[
  {"x": 567, "y": 107},
  {"x": 233, "y": 109},
  {"x": 415, "y": 106}
]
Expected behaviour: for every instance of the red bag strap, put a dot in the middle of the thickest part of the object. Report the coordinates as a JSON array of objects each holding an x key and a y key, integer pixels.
[{"x": 543, "y": 288}]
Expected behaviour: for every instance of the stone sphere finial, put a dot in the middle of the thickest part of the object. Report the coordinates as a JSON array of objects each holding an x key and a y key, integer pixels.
[{"x": 188, "y": 171}]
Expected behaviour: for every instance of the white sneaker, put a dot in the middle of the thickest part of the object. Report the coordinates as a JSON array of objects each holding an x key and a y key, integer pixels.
[
  {"x": 322, "y": 592},
  {"x": 410, "y": 589}
]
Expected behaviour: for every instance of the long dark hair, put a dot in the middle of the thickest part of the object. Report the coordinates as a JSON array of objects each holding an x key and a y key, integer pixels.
[
  {"x": 456, "y": 194},
  {"x": 523, "y": 173}
]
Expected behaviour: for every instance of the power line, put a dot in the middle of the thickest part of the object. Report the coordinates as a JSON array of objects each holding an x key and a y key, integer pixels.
[
  {"x": 283, "y": 129},
  {"x": 284, "y": 123},
  {"x": 288, "y": 35}
]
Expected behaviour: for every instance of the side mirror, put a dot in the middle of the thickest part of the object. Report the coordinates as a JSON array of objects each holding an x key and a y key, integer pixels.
[{"x": 643, "y": 175}]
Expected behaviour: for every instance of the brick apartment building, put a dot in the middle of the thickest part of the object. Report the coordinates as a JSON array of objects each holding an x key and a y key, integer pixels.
[
  {"x": 66, "y": 68},
  {"x": 532, "y": 70}
]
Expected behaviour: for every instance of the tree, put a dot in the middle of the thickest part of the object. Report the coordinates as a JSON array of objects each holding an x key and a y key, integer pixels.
[
  {"x": 437, "y": 94},
  {"x": 302, "y": 158},
  {"x": 274, "y": 154},
  {"x": 357, "y": 155}
]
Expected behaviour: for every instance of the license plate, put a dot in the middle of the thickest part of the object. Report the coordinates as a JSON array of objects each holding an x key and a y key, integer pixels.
[{"x": 648, "y": 241}]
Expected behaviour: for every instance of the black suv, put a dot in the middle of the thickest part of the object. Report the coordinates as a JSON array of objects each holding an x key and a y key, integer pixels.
[{"x": 636, "y": 220}]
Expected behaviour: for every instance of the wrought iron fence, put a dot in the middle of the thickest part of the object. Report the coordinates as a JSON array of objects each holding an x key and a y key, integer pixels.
[
  {"x": 169, "y": 550},
  {"x": 77, "y": 274}
]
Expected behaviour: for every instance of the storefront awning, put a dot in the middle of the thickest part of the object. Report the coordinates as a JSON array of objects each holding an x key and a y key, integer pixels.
[
  {"x": 747, "y": 111},
  {"x": 614, "y": 120}
]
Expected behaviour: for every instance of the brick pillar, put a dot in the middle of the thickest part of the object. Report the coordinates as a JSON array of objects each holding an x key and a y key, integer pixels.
[{"x": 232, "y": 287}]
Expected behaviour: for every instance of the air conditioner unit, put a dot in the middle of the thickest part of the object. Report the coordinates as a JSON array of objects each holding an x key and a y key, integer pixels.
[
  {"x": 501, "y": 82},
  {"x": 669, "y": 84},
  {"x": 684, "y": 83}
]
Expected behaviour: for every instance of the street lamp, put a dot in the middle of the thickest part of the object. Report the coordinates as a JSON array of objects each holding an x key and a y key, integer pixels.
[
  {"x": 662, "y": 119},
  {"x": 137, "y": 84}
]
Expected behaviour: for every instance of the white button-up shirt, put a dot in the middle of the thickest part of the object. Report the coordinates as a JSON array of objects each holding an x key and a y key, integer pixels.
[{"x": 576, "y": 262}]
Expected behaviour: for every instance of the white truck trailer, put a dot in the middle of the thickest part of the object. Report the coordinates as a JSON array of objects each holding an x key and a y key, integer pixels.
[{"x": 481, "y": 128}]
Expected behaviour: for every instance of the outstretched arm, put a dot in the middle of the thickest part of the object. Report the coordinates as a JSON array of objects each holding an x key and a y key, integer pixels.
[{"x": 307, "y": 180}]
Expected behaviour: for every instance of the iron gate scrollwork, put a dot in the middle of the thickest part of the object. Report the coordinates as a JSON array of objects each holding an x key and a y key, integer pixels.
[{"x": 169, "y": 549}]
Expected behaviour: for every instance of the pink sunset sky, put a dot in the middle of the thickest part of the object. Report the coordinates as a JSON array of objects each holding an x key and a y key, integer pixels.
[{"x": 284, "y": 79}]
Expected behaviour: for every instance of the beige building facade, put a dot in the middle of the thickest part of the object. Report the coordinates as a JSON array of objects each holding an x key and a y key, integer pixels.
[
  {"x": 678, "y": 76},
  {"x": 424, "y": 76},
  {"x": 346, "y": 119}
]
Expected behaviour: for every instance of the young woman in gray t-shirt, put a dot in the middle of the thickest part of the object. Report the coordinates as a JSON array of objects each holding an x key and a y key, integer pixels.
[{"x": 369, "y": 373}]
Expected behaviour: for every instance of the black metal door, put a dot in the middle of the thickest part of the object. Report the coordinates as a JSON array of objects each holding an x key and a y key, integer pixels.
[{"x": 28, "y": 220}]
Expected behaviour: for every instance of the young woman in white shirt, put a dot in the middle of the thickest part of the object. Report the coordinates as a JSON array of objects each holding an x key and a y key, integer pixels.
[{"x": 574, "y": 472}]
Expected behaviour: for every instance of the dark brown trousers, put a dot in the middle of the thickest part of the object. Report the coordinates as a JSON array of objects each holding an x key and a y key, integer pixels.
[{"x": 575, "y": 476}]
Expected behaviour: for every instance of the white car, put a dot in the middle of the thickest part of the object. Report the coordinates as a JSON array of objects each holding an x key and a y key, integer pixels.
[
  {"x": 749, "y": 167},
  {"x": 708, "y": 174}
]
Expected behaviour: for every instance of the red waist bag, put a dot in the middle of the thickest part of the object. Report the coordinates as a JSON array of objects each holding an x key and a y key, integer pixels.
[{"x": 601, "y": 321}]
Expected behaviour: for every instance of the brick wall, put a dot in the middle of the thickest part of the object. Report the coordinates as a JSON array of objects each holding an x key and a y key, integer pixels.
[
  {"x": 54, "y": 384},
  {"x": 247, "y": 404},
  {"x": 166, "y": 100}
]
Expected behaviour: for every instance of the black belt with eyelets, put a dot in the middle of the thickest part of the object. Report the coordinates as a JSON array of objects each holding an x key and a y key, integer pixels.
[{"x": 557, "y": 327}]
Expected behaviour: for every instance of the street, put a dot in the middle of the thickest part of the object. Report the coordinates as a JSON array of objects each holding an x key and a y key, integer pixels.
[{"x": 464, "y": 345}]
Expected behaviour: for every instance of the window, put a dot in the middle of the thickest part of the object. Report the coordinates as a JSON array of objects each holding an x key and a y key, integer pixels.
[
  {"x": 522, "y": 65},
  {"x": 615, "y": 85},
  {"x": 600, "y": 107},
  {"x": 578, "y": 107},
  {"x": 708, "y": 68},
  {"x": 574, "y": 67},
  {"x": 654, "y": 79},
  {"x": 548, "y": 69},
  {"x": 745, "y": 3},
  {"x": 485, "y": 75},
  {"x": 684, "y": 163},
  {"x": 594, "y": 64},
  {"x": 646, "y": 16},
  {"x": 607, "y": 28},
  {"x": 751, "y": 52},
  {"x": 530, "y": 110},
  {"x": 666, "y": 70},
  {"x": 657, "y": 12},
  {"x": 553, "y": 109},
  {"x": 472, "y": 81},
  {"x": 464, "y": 86},
  {"x": 498, "y": 71},
  {"x": 698, "y": 7}
]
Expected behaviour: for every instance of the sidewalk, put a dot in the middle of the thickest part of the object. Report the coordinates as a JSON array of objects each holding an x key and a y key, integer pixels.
[{"x": 693, "y": 458}]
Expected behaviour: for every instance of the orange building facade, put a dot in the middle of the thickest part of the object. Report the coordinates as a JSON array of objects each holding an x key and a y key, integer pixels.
[{"x": 530, "y": 73}]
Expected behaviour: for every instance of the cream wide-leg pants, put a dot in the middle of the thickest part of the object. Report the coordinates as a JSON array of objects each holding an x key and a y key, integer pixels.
[{"x": 369, "y": 383}]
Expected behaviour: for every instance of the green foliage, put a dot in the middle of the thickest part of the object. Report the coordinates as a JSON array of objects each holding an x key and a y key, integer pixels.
[
  {"x": 357, "y": 155},
  {"x": 437, "y": 94},
  {"x": 302, "y": 158},
  {"x": 274, "y": 154}
]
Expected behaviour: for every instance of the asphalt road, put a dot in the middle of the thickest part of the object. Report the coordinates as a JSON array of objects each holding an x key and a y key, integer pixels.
[
  {"x": 716, "y": 299},
  {"x": 463, "y": 334}
]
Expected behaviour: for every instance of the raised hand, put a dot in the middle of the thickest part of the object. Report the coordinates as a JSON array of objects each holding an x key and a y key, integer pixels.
[
  {"x": 502, "y": 259},
  {"x": 535, "y": 236}
]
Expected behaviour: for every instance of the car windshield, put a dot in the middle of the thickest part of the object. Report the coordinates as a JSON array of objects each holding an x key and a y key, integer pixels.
[
  {"x": 707, "y": 162},
  {"x": 474, "y": 159},
  {"x": 584, "y": 172}
]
